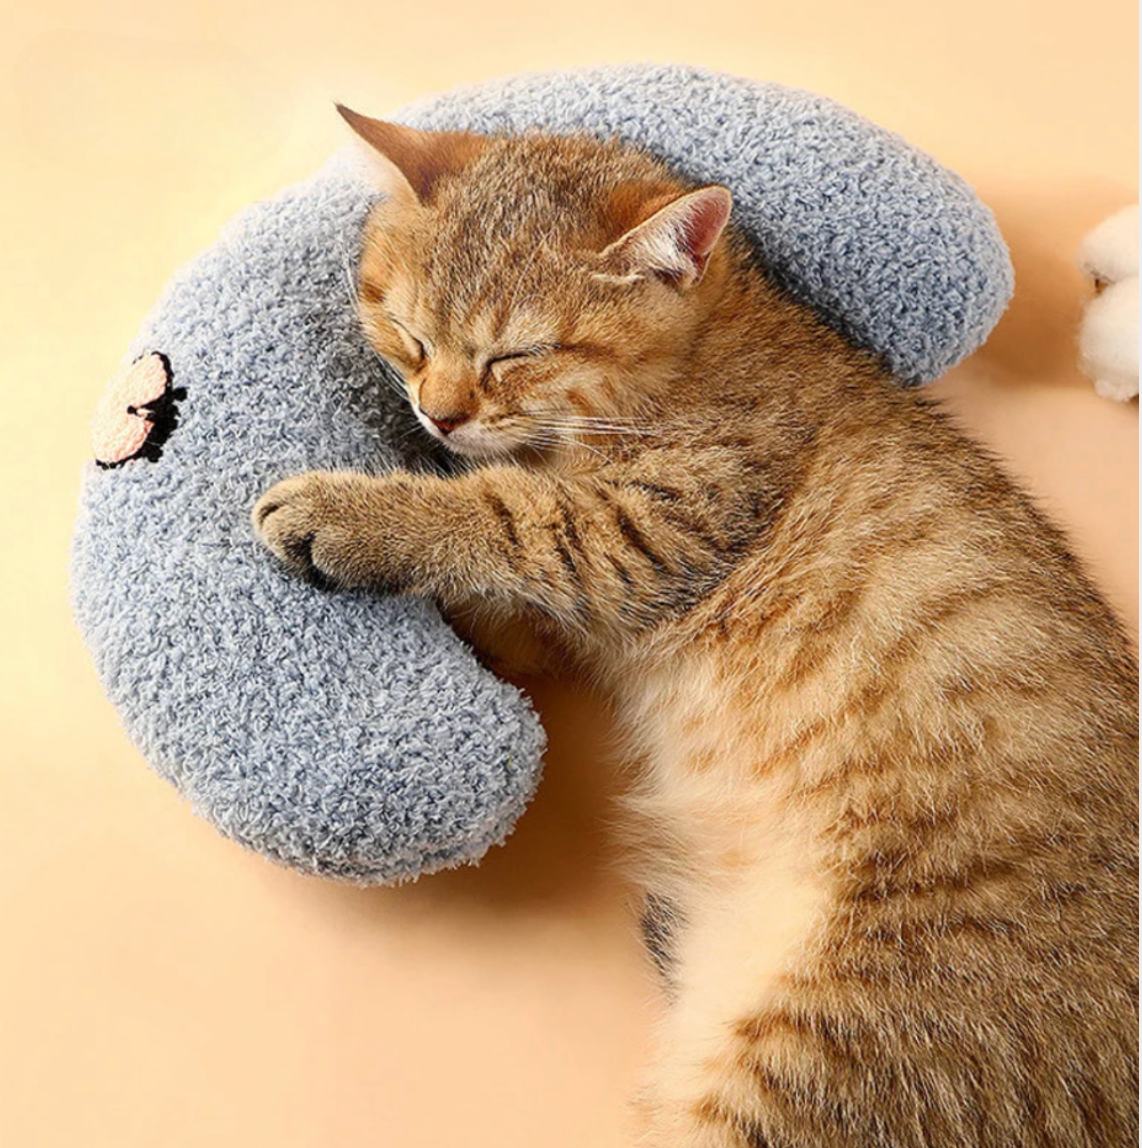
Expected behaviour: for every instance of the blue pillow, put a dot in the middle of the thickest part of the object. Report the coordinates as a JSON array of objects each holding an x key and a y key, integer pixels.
[{"x": 356, "y": 736}]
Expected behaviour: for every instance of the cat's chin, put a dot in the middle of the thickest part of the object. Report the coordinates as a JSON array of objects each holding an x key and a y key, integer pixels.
[{"x": 481, "y": 451}]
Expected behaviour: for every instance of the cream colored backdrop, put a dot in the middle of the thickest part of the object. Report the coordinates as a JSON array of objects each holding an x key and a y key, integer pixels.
[{"x": 159, "y": 987}]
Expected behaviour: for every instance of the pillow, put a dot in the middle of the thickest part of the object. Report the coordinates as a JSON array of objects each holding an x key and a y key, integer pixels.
[{"x": 356, "y": 736}]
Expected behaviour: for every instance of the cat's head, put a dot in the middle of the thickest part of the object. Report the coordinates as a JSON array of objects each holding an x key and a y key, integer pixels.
[{"x": 531, "y": 289}]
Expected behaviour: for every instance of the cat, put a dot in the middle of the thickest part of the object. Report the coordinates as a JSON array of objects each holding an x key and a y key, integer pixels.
[{"x": 887, "y": 730}]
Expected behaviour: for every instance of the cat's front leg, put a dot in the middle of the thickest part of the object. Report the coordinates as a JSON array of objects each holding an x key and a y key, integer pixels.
[
  {"x": 601, "y": 556},
  {"x": 390, "y": 533},
  {"x": 454, "y": 539},
  {"x": 342, "y": 529}
]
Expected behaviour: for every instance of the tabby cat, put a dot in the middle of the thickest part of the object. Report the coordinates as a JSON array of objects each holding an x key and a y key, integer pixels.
[{"x": 887, "y": 730}]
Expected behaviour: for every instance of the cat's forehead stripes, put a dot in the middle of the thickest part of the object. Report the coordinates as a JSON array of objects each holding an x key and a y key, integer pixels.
[
  {"x": 522, "y": 216},
  {"x": 506, "y": 329}
]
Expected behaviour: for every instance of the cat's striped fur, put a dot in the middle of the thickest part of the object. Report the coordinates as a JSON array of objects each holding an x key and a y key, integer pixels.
[{"x": 888, "y": 729}]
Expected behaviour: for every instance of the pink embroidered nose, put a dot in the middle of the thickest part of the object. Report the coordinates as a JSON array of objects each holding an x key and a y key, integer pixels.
[{"x": 136, "y": 413}]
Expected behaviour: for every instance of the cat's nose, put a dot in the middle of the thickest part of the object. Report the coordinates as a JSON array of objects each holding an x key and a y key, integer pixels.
[{"x": 446, "y": 423}]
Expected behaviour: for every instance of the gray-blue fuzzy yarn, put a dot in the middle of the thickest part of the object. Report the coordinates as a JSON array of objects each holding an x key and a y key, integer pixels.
[{"x": 354, "y": 736}]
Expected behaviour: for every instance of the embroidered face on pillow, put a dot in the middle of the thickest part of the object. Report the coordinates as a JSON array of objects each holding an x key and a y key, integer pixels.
[{"x": 137, "y": 413}]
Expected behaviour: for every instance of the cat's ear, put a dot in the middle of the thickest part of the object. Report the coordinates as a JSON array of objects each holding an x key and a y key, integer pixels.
[
  {"x": 676, "y": 241},
  {"x": 409, "y": 162}
]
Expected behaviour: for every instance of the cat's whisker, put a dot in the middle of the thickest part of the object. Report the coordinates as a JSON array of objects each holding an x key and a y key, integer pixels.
[
  {"x": 570, "y": 428},
  {"x": 537, "y": 437},
  {"x": 611, "y": 421},
  {"x": 608, "y": 431},
  {"x": 563, "y": 437}
]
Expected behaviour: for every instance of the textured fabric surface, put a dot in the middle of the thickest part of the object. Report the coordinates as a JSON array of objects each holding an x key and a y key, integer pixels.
[
  {"x": 345, "y": 734},
  {"x": 355, "y": 736}
]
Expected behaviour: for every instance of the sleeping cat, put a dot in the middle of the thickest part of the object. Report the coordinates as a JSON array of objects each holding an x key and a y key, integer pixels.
[{"x": 887, "y": 729}]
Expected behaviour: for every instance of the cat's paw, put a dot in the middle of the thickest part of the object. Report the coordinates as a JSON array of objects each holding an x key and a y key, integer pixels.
[
  {"x": 289, "y": 517},
  {"x": 330, "y": 528}
]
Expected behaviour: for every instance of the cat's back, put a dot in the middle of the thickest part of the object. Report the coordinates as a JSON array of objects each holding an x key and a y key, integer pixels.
[
  {"x": 905, "y": 587},
  {"x": 904, "y": 541},
  {"x": 929, "y": 678}
]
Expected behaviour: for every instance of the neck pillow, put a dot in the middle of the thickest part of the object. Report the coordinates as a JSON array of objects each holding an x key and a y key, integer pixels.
[{"x": 356, "y": 736}]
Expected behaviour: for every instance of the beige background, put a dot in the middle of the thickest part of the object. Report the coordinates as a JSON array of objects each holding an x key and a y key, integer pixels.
[{"x": 157, "y": 985}]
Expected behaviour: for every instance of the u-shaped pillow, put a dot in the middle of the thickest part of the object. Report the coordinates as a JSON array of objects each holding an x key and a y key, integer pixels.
[{"x": 356, "y": 736}]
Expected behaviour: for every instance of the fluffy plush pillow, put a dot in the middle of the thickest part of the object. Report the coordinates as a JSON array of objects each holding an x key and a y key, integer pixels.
[{"x": 354, "y": 736}]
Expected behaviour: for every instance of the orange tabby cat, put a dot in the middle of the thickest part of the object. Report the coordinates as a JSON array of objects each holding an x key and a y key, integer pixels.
[{"x": 888, "y": 730}]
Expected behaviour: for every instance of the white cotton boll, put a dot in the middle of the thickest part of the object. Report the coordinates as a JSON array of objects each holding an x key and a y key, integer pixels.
[
  {"x": 1108, "y": 336},
  {"x": 1108, "y": 341},
  {"x": 1109, "y": 253}
]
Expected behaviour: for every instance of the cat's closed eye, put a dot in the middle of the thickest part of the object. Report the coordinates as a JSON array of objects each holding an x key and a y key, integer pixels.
[
  {"x": 505, "y": 360},
  {"x": 416, "y": 349}
]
